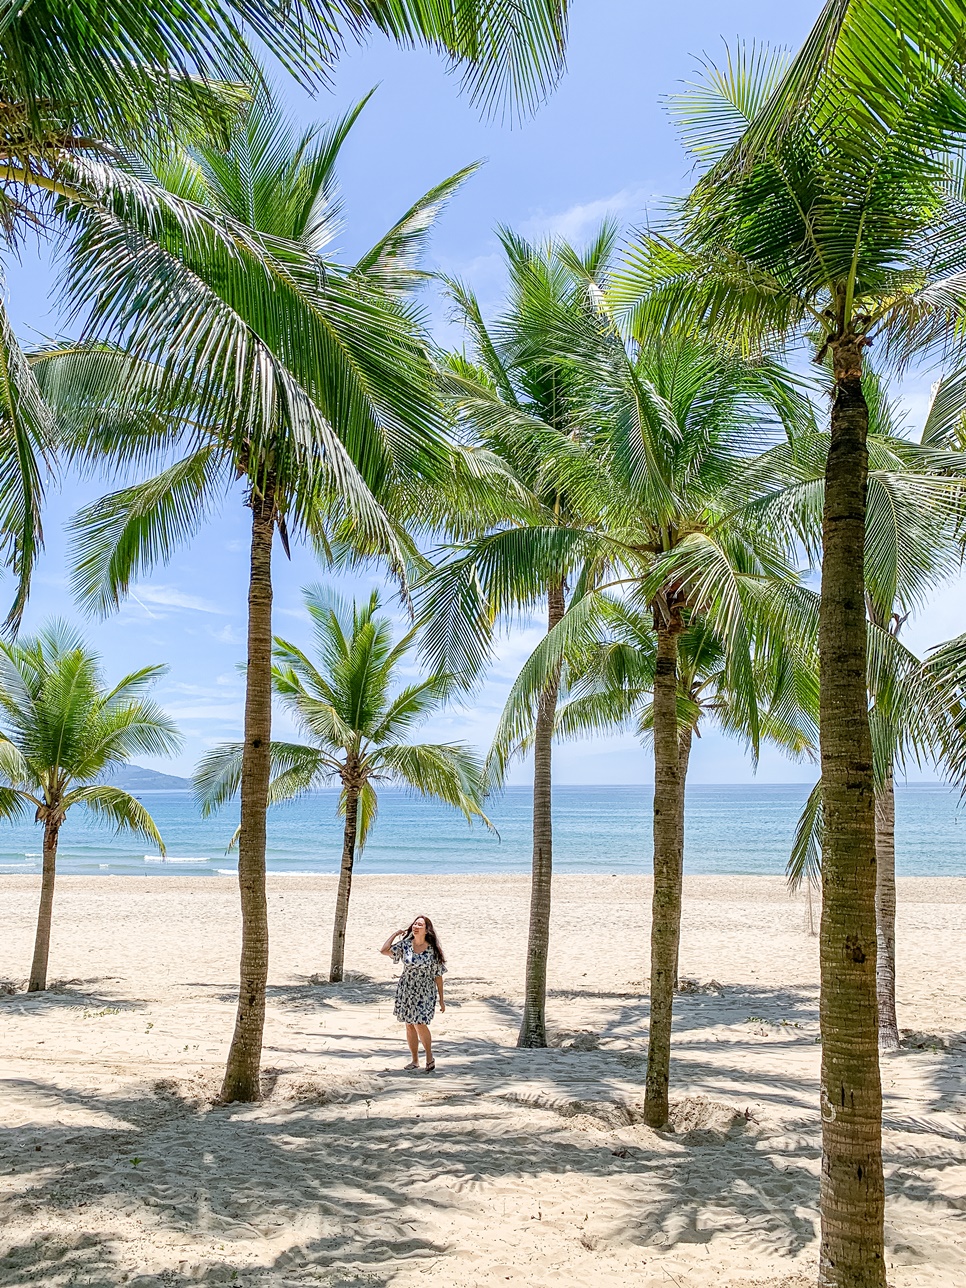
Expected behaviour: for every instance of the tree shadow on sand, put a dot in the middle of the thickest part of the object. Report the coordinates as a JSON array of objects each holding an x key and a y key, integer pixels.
[{"x": 349, "y": 1175}]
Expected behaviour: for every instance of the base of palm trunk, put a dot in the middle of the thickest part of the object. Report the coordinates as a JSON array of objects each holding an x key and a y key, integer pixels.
[{"x": 533, "y": 1032}]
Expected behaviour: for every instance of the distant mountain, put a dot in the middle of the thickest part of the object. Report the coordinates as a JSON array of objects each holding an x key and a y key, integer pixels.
[{"x": 135, "y": 778}]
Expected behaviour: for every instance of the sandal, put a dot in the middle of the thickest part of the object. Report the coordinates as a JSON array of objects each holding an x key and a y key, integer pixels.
[
  {"x": 430, "y": 1066},
  {"x": 413, "y": 1064}
]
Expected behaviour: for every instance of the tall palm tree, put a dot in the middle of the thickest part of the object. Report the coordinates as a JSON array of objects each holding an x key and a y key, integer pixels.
[
  {"x": 60, "y": 729},
  {"x": 307, "y": 380},
  {"x": 842, "y": 227},
  {"x": 662, "y": 476},
  {"x": 348, "y": 702},
  {"x": 912, "y": 542},
  {"x": 88, "y": 84},
  {"x": 515, "y": 399}
]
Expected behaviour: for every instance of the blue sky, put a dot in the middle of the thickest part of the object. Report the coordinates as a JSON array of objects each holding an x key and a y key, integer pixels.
[{"x": 602, "y": 145}]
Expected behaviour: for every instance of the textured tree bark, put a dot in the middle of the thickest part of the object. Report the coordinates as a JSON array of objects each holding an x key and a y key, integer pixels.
[
  {"x": 852, "y": 1192},
  {"x": 533, "y": 1028},
  {"x": 244, "y": 1056},
  {"x": 666, "y": 903},
  {"x": 885, "y": 915},
  {"x": 38, "y": 967},
  {"x": 685, "y": 738},
  {"x": 337, "y": 962}
]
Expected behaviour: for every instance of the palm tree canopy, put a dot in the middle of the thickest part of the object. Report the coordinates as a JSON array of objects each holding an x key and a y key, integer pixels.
[
  {"x": 346, "y": 698},
  {"x": 655, "y": 470},
  {"x": 112, "y": 66},
  {"x": 877, "y": 51},
  {"x": 839, "y": 225},
  {"x": 60, "y": 728},
  {"x": 276, "y": 360},
  {"x": 515, "y": 397},
  {"x": 89, "y": 82}
]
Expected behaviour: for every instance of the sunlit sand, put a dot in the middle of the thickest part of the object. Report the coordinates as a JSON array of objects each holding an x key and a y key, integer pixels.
[{"x": 506, "y": 1165}]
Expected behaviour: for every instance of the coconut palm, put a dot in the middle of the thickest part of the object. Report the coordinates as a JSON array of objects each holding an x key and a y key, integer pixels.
[
  {"x": 348, "y": 702},
  {"x": 616, "y": 680},
  {"x": 60, "y": 729},
  {"x": 843, "y": 228},
  {"x": 914, "y": 502},
  {"x": 515, "y": 399},
  {"x": 89, "y": 85},
  {"x": 671, "y": 426},
  {"x": 277, "y": 366}
]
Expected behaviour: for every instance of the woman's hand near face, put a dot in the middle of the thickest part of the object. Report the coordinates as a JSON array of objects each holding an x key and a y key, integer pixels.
[{"x": 386, "y": 949}]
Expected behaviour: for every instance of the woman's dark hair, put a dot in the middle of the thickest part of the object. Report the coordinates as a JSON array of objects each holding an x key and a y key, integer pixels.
[{"x": 431, "y": 938}]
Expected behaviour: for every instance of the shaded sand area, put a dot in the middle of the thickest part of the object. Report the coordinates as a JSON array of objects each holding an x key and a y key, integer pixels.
[{"x": 507, "y": 1166}]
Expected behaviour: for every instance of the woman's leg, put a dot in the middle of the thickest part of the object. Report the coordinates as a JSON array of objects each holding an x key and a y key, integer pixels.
[
  {"x": 413, "y": 1040},
  {"x": 427, "y": 1040}
]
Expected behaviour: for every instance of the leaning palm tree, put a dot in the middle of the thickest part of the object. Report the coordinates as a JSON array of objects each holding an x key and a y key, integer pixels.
[
  {"x": 347, "y": 701},
  {"x": 515, "y": 399},
  {"x": 843, "y": 228},
  {"x": 88, "y": 85},
  {"x": 60, "y": 729},
  {"x": 277, "y": 366}
]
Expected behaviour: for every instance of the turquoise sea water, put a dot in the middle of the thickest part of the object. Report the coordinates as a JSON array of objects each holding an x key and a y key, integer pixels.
[{"x": 730, "y": 829}]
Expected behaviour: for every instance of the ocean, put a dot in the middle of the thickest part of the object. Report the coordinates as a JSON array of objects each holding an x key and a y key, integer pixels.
[{"x": 744, "y": 829}]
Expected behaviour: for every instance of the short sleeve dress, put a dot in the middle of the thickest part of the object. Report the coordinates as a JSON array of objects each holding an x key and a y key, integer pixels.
[{"x": 416, "y": 990}]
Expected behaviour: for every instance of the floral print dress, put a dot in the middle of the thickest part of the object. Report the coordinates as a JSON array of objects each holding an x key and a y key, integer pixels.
[{"x": 416, "y": 990}]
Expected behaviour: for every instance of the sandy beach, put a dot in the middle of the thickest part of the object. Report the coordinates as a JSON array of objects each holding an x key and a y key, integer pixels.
[{"x": 512, "y": 1166}]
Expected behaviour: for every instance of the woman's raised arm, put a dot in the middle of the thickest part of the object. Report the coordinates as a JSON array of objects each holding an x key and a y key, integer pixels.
[{"x": 386, "y": 949}]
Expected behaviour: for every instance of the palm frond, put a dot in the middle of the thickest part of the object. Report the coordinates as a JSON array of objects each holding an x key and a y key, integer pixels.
[
  {"x": 112, "y": 805},
  {"x": 805, "y": 861}
]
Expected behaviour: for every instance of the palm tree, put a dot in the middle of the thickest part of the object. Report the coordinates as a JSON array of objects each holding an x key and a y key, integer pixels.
[
  {"x": 358, "y": 724},
  {"x": 662, "y": 471},
  {"x": 60, "y": 729},
  {"x": 89, "y": 85},
  {"x": 843, "y": 226},
  {"x": 307, "y": 380},
  {"x": 616, "y": 680},
  {"x": 515, "y": 399},
  {"x": 914, "y": 503}
]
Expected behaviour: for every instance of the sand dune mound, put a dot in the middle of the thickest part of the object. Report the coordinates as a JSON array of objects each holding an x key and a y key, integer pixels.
[{"x": 701, "y": 1121}]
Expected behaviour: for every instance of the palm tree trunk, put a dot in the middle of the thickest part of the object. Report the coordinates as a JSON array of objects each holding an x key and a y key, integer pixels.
[
  {"x": 337, "y": 963},
  {"x": 38, "y": 967},
  {"x": 666, "y": 904},
  {"x": 244, "y": 1057},
  {"x": 852, "y": 1193},
  {"x": 684, "y": 757},
  {"x": 533, "y": 1028},
  {"x": 885, "y": 915}
]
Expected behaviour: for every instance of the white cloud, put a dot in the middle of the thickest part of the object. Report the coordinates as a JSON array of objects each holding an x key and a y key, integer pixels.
[
  {"x": 579, "y": 221},
  {"x": 171, "y": 597},
  {"x": 228, "y": 635}
]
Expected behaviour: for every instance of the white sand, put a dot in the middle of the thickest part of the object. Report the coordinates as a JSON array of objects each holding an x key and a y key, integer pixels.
[{"x": 519, "y": 1166}]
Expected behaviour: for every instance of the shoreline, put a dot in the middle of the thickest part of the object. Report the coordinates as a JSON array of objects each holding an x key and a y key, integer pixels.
[{"x": 18, "y": 880}]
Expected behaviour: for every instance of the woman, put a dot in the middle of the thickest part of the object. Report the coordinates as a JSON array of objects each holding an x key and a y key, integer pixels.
[{"x": 421, "y": 981}]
